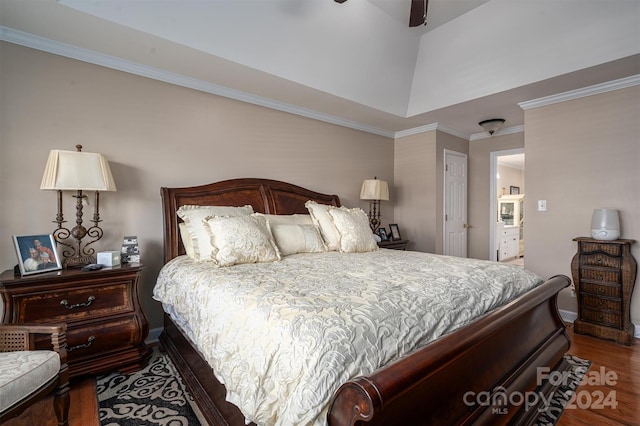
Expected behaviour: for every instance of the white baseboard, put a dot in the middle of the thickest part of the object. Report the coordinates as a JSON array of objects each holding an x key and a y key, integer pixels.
[
  {"x": 569, "y": 316},
  {"x": 153, "y": 335}
]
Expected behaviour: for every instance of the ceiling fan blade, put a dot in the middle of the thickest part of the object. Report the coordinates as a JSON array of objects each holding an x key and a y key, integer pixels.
[{"x": 418, "y": 14}]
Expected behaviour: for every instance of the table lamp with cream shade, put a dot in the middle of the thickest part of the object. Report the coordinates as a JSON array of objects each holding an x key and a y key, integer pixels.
[
  {"x": 77, "y": 171},
  {"x": 374, "y": 190}
]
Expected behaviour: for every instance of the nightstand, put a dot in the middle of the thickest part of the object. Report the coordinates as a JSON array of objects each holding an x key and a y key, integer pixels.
[
  {"x": 106, "y": 327},
  {"x": 604, "y": 273},
  {"x": 394, "y": 245}
]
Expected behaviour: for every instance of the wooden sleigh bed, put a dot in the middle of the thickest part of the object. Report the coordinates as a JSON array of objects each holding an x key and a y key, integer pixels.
[{"x": 500, "y": 353}]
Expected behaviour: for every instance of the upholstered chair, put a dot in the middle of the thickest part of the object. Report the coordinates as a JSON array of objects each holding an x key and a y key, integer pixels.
[{"x": 28, "y": 375}]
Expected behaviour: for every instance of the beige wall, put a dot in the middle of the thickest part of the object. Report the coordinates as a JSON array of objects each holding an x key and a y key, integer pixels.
[
  {"x": 509, "y": 176},
  {"x": 581, "y": 155},
  {"x": 155, "y": 134},
  {"x": 415, "y": 188},
  {"x": 419, "y": 180},
  {"x": 480, "y": 188}
]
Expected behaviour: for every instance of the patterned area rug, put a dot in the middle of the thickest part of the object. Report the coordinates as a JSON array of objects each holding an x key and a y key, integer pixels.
[
  {"x": 152, "y": 396},
  {"x": 563, "y": 394},
  {"x": 156, "y": 395}
]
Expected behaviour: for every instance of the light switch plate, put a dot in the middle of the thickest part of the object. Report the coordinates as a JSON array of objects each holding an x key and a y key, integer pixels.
[{"x": 542, "y": 205}]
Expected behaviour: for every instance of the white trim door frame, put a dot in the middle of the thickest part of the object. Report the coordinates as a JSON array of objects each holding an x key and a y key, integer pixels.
[{"x": 493, "y": 198}]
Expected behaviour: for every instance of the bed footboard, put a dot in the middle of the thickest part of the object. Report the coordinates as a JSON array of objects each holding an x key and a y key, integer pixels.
[{"x": 446, "y": 382}]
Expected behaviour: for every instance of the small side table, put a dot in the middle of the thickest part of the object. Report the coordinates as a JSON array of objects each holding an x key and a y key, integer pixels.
[{"x": 394, "y": 244}]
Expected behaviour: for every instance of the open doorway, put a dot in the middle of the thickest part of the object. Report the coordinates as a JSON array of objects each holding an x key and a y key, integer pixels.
[{"x": 507, "y": 222}]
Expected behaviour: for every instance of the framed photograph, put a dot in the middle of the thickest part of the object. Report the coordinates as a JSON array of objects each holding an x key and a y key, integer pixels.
[
  {"x": 395, "y": 231},
  {"x": 382, "y": 233},
  {"x": 36, "y": 253},
  {"x": 514, "y": 190},
  {"x": 130, "y": 252}
]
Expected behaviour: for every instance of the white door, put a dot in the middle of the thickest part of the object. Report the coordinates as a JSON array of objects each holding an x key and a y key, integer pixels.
[{"x": 455, "y": 204}]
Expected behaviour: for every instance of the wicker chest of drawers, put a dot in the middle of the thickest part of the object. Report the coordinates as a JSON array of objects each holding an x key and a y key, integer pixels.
[
  {"x": 106, "y": 326},
  {"x": 604, "y": 273}
]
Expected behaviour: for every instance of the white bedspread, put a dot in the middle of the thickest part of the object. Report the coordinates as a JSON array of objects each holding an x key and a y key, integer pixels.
[{"x": 283, "y": 336}]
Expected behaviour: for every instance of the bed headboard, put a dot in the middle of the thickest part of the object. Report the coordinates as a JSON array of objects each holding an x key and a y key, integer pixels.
[{"x": 265, "y": 195}]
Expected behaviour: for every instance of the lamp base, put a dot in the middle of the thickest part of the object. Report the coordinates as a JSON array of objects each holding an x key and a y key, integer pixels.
[
  {"x": 374, "y": 215},
  {"x": 78, "y": 261}
]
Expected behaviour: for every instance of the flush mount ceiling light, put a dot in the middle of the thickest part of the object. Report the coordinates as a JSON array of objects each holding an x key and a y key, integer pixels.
[{"x": 492, "y": 125}]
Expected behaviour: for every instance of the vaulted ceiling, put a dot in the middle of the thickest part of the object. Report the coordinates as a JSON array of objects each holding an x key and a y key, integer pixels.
[{"x": 356, "y": 64}]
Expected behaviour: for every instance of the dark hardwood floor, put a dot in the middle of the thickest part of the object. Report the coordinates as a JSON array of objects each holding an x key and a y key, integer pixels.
[{"x": 607, "y": 357}]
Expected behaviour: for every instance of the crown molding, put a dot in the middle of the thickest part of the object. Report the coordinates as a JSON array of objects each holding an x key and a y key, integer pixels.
[
  {"x": 596, "y": 89},
  {"x": 452, "y": 132},
  {"x": 85, "y": 55},
  {"x": 429, "y": 128},
  {"x": 505, "y": 131},
  {"x": 416, "y": 130}
]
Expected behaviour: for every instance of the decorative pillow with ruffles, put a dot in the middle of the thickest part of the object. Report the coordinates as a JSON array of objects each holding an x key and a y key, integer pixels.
[
  {"x": 241, "y": 239},
  {"x": 193, "y": 218},
  {"x": 324, "y": 223},
  {"x": 353, "y": 228}
]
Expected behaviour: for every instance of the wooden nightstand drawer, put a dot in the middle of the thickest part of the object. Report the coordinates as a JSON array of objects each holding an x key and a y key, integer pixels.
[
  {"x": 101, "y": 337},
  {"x": 610, "y": 290},
  {"x": 600, "y": 259},
  {"x": 73, "y": 304},
  {"x": 592, "y": 247},
  {"x": 607, "y": 303},
  {"x": 600, "y": 274},
  {"x": 609, "y": 319}
]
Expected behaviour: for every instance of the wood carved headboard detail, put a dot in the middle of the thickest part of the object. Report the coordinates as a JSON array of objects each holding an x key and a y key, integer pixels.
[{"x": 265, "y": 195}]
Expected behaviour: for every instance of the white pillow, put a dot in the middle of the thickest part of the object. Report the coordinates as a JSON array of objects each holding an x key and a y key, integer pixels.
[
  {"x": 353, "y": 227},
  {"x": 324, "y": 222},
  {"x": 241, "y": 239},
  {"x": 193, "y": 217},
  {"x": 186, "y": 240},
  {"x": 292, "y": 239},
  {"x": 288, "y": 219}
]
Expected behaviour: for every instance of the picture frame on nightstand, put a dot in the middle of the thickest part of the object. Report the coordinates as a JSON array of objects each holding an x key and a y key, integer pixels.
[
  {"x": 130, "y": 252},
  {"x": 382, "y": 233},
  {"x": 36, "y": 253},
  {"x": 394, "y": 229}
]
